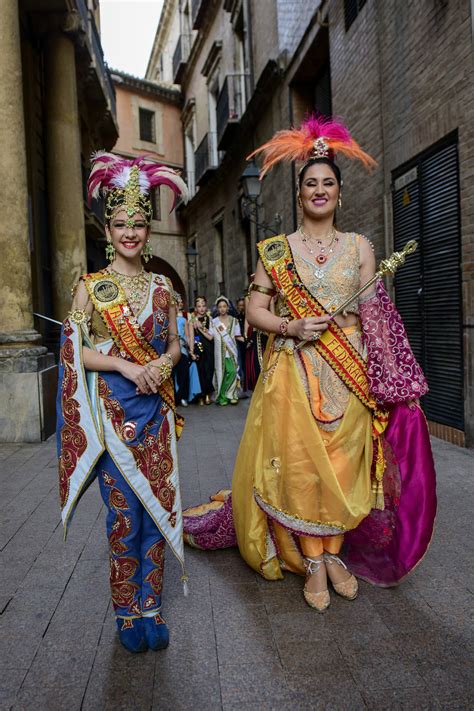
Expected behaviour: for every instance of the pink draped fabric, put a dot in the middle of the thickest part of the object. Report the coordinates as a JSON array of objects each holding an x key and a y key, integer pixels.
[
  {"x": 394, "y": 374},
  {"x": 388, "y": 544}
]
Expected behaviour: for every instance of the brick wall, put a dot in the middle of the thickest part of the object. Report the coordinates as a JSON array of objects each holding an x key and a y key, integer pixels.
[{"x": 403, "y": 80}]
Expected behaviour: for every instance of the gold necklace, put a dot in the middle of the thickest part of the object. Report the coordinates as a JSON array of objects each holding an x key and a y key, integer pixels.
[
  {"x": 322, "y": 257},
  {"x": 136, "y": 287}
]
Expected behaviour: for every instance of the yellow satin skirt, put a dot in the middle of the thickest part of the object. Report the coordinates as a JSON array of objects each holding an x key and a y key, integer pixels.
[{"x": 292, "y": 478}]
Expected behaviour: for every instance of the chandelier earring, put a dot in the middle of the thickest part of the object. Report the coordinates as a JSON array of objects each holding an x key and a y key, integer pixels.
[
  {"x": 299, "y": 200},
  {"x": 339, "y": 201},
  {"x": 110, "y": 251},
  {"x": 147, "y": 252}
]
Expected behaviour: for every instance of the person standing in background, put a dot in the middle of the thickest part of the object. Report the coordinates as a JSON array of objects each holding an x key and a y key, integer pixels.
[
  {"x": 226, "y": 332},
  {"x": 241, "y": 345},
  {"x": 202, "y": 337}
]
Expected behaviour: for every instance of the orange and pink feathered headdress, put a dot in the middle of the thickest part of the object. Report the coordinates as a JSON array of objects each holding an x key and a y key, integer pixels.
[
  {"x": 126, "y": 184},
  {"x": 317, "y": 137}
]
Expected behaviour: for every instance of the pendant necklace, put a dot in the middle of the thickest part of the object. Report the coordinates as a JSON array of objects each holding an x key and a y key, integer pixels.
[{"x": 324, "y": 251}]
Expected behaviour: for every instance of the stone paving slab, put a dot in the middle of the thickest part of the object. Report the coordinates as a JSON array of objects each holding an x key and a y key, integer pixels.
[{"x": 237, "y": 641}]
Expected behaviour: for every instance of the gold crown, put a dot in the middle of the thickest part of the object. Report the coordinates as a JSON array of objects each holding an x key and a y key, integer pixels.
[{"x": 129, "y": 198}]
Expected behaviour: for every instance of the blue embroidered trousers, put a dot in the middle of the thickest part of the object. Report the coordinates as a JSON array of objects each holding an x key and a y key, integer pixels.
[{"x": 136, "y": 546}]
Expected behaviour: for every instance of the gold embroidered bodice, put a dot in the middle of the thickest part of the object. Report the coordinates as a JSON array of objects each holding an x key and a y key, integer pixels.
[{"x": 335, "y": 281}]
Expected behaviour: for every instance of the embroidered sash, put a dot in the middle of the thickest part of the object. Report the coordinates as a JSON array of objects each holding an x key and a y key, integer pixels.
[
  {"x": 226, "y": 338},
  {"x": 110, "y": 301},
  {"x": 333, "y": 345}
]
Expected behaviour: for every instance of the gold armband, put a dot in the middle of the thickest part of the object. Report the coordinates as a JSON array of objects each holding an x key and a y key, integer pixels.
[{"x": 261, "y": 289}]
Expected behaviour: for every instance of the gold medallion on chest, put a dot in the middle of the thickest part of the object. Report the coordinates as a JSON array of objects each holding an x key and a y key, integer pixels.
[{"x": 106, "y": 290}]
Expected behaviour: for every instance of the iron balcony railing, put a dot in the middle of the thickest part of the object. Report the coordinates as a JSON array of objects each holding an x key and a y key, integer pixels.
[
  {"x": 181, "y": 56},
  {"x": 206, "y": 156},
  {"x": 230, "y": 106}
]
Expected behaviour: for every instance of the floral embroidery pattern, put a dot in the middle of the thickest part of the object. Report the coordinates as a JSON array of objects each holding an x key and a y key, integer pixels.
[
  {"x": 122, "y": 568},
  {"x": 73, "y": 437},
  {"x": 393, "y": 372},
  {"x": 153, "y": 455},
  {"x": 157, "y": 555}
]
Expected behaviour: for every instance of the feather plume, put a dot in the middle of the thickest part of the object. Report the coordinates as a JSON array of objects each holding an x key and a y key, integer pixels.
[
  {"x": 353, "y": 150},
  {"x": 298, "y": 144},
  {"x": 109, "y": 172}
]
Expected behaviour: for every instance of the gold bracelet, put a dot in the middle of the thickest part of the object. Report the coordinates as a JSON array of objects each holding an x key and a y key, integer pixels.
[{"x": 262, "y": 289}]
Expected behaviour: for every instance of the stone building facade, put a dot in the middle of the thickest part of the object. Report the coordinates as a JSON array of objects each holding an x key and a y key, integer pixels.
[
  {"x": 403, "y": 81},
  {"x": 57, "y": 105},
  {"x": 149, "y": 120}
]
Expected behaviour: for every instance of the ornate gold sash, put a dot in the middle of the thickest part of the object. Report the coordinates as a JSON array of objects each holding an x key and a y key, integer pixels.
[{"x": 110, "y": 301}]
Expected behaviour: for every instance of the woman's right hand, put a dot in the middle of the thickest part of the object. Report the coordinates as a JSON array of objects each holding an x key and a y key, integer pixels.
[
  {"x": 140, "y": 375},
  {"x": 308, "y": 329}
]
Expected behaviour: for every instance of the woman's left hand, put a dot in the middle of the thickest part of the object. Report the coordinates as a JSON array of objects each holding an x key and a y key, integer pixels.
[{"x": 413, "y": 404}]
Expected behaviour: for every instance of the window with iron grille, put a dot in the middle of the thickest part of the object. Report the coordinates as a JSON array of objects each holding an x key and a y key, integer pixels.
[
  {"x": 351, "y": 10},
  {"x": 147, "y": 125}
]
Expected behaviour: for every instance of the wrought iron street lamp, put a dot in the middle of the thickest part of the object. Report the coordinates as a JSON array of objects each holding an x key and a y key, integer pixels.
[
  {"x": 251, "y": 183},
  {"x": 191, "y": 259},
  {"x": 250, "y": 203}
]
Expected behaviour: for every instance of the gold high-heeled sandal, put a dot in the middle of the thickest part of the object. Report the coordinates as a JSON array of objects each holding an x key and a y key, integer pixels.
[
  {"x": 349, "y": 588},
  {"x": 317, "y": 600}
]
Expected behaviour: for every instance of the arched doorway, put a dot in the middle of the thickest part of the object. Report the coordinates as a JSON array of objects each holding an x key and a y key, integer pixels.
[{"x": 159, "y": 266}]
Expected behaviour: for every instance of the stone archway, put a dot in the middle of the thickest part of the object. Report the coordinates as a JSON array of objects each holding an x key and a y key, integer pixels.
[{"x": 160, "y": 266}]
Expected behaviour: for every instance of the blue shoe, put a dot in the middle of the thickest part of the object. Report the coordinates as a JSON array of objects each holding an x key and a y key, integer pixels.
[
  {"x": 156, "y": 632},
  {"x": 132, "y": 633}
]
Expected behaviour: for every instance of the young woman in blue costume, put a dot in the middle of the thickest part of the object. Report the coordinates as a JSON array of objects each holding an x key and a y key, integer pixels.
[{"x": 115, "y": 405}]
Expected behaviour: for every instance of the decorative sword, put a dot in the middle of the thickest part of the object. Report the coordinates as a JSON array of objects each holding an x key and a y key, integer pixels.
[{"x": 46, "y": 318}]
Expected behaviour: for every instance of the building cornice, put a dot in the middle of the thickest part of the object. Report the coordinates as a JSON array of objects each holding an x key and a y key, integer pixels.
[{"x": 165, "y": 92}]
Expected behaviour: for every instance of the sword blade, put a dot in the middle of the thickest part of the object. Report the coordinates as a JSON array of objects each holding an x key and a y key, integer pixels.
[{"x": 46, "y": 318}]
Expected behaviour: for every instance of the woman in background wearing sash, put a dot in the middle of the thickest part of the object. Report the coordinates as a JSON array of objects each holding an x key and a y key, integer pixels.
[
  {"x": 116, "y": 412},
  {"x": 226, "y": 332},
  {"x": 335, "y": 449}
]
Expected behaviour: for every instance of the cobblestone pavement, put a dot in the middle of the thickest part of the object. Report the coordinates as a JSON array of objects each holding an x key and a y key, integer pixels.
[{"x": 237, "y": 642}]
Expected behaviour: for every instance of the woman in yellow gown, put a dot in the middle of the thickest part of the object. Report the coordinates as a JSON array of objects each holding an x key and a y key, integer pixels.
[{"x": 312, "y": 459}]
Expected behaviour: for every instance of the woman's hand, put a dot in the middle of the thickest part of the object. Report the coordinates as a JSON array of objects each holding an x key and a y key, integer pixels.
[
  {"x": 308, "y": 329},
  {"x": 141, "y": 375},
  {"x": 153, "y": 369}
]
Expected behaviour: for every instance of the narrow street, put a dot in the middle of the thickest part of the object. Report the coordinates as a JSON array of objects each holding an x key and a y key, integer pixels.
[{"x": 237, "y": 641}]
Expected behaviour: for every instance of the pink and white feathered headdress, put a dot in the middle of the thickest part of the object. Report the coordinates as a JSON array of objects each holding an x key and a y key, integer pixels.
[
  {"x": 317, "y": 137},
  {"x": 127, "y": 183}
]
